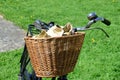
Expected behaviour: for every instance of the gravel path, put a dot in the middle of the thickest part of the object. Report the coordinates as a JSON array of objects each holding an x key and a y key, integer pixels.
[{"x": 11, "y": 36}]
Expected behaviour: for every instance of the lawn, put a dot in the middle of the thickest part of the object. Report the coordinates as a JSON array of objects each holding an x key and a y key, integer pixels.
[{"x": 100, "y": 56}]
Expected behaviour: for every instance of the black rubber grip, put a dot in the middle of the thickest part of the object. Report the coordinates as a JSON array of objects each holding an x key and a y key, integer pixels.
[{"x": 107, "y": 22}]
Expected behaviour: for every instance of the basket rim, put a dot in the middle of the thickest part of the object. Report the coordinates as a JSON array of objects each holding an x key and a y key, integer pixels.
[{"x": 78, "y": 33}]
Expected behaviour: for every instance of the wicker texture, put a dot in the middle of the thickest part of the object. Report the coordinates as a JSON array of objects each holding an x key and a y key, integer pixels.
[{"x": 56, "y": 56}]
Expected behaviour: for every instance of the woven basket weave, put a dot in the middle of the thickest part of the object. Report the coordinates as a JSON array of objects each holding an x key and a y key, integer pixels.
[{"x": 54, "y": 56}]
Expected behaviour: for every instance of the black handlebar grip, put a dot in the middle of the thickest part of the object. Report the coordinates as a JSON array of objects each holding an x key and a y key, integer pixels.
[{"x": 105, "y": 21}]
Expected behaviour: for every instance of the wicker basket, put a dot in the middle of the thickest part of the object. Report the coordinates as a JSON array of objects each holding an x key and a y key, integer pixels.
[{"x": 56, "y": 56}]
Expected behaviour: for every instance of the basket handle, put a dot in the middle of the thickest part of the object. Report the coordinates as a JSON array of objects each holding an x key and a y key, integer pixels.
[{"x": 29, "y": 31}]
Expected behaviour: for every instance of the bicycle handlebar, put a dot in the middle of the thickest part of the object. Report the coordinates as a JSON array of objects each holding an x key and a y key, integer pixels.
[
  {"x": 92, "y": 17},
  {"x": 103, "y": 20},
  {"x": 87, "y": 27},
  {"x": 107, "y": 22}
]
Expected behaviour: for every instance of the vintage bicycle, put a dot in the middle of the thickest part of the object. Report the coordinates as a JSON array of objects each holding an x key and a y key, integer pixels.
[{"x": 26, "y": 70}]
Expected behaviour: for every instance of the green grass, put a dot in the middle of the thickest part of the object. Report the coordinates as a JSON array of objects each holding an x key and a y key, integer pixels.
[
  {"x": 99, "y": 60},
  {"x": 9, "y": 65}
]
